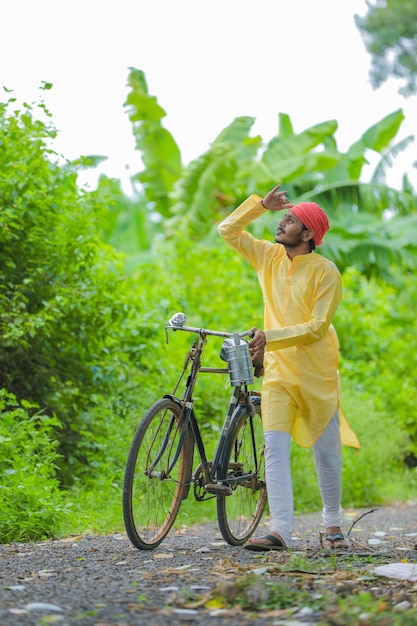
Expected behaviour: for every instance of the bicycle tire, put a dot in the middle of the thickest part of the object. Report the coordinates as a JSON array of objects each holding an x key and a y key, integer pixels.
[
  {"x": 240, "y": 513},
  {"x": 152, "y": 494}
]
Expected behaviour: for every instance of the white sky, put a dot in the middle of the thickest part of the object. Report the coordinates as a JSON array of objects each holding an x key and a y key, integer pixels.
[{"x": 207, "y": 62}]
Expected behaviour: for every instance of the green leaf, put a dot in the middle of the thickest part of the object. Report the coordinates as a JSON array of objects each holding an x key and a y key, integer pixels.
[
  {"x": 159, "y": 151},
  {"x": 378, "y": 136}
]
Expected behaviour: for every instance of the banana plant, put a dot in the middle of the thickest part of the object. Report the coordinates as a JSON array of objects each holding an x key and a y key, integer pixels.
[
  {"x": 159, "y": 152},
  {"x": 369, "y": 229}
]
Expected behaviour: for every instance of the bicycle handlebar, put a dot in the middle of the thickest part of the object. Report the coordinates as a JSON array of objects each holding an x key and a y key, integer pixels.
[{"x": 178, "y": 320}]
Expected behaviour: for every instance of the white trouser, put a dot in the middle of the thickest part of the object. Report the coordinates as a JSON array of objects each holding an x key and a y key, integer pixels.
[{"x": 328, "y": 462}]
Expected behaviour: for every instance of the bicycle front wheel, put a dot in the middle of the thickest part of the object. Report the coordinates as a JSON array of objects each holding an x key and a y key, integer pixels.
[
  {"x": 240, "y": 513},
  {"x": 155, "y": 481}
]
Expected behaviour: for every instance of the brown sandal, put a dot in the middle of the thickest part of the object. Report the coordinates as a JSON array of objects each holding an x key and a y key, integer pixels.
[{"x": 276, "y": 544}]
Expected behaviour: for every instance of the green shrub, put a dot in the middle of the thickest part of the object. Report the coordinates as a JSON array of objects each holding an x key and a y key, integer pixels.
[
  {"x": 377, "y": 327},
  {"x": 31, "y": 505},
  {"x": 82, "y": 336},
  {"x": 71, "y": 330}
]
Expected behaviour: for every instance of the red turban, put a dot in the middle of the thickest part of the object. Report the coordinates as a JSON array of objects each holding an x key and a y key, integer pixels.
[{"x": 313, "y": 217}]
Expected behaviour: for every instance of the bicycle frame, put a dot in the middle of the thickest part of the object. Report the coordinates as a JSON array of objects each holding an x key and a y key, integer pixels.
[{"x": 212, "y": 482}]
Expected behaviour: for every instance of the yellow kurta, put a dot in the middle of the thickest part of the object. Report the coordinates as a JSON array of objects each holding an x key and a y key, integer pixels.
[{"x": 300, "y": 388}]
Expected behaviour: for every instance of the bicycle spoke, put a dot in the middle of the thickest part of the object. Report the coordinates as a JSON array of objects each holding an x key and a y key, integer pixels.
[
  {"x": 240, "y": 513},
  {"x": 154, "y": 480}
]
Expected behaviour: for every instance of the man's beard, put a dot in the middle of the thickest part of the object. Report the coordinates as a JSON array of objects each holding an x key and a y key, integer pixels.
[{"x": 289, "y": 243}]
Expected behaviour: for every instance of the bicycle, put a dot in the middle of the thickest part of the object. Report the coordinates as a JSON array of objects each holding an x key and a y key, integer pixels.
[{"x": 159, "y": 469}]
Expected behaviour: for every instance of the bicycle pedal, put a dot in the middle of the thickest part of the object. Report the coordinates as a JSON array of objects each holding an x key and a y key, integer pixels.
[{"x": 216, "y": 488}]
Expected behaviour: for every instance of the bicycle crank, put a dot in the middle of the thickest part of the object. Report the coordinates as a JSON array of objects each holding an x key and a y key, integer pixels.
[{"x": 218, "y": 489}]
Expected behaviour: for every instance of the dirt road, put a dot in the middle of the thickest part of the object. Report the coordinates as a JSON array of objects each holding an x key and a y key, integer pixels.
[{"x": 195, "y": 578}]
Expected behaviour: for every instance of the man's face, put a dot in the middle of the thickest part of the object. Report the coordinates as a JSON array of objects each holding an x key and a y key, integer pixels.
[{"x": 291, "y": 231}]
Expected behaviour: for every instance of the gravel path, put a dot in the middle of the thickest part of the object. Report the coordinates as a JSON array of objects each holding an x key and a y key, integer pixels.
[{"x": 104, "y": 581}]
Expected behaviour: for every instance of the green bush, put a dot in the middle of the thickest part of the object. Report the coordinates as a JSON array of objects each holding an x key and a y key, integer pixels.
[
  {"x": 82, "y": 338},
  {"x": 71, "y": 330},
  {"x": 377, "y": 328},
  {"x": 32, "y": 506}
]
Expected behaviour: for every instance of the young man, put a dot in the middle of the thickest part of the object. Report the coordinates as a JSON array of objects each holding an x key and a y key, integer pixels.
[{"x": 300, "y": 389}]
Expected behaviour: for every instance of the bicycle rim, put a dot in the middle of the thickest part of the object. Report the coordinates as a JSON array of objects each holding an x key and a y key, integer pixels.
[
  {"x": 240, "y": 513},
  {"x": 152, "y": 492}
]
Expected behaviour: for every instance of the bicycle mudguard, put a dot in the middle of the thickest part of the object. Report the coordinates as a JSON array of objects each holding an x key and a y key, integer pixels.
[
  {"x": 173, "y": 398},
  {"x": 191, "y": 438}
]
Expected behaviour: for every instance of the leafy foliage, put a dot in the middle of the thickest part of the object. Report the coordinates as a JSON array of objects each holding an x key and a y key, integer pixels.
[
  {"x": 82, "y": 325},
  {"x": 126, "y": 223},
  {"x": 389, "y": 31},
  {"x": 67, "y": 322},
  {"x": 378, "y": 350},
  {"x": 31, "y": 505},
  {"x": 311, "y": 168},
  {"x": 160, "y": 154}
]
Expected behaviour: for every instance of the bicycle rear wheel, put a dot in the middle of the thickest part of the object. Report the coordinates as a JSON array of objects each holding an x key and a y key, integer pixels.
[
  {"x": 153, "y": 491},
  {"x": 240, "y": 513}
]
